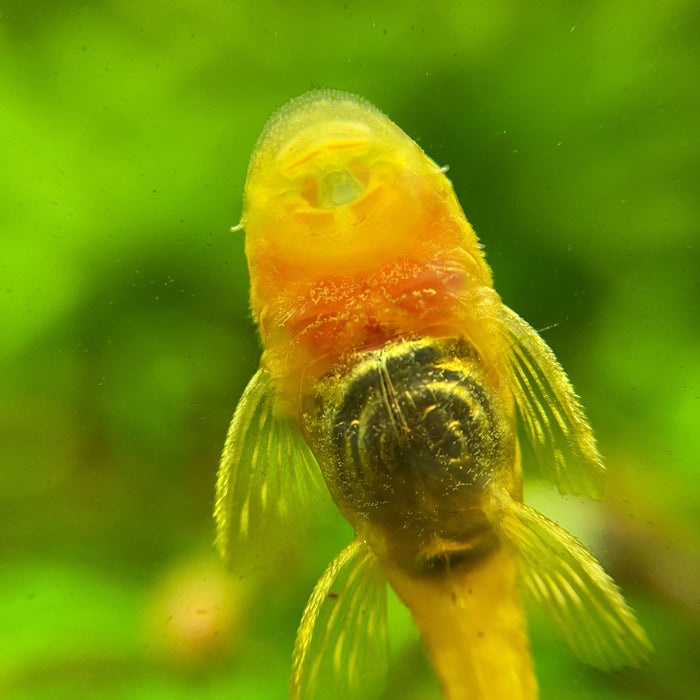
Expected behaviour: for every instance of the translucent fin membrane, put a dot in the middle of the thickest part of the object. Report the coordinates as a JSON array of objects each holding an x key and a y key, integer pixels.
[
  {"x": 550, "y": 411},
  {"x": 268, "y": 483},
  {"x": 341, "y": 648},
  {"x": 581, "y": 601}
]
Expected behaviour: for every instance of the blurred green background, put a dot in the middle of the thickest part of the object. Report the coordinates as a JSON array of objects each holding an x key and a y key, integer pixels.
[{"x": 571, "y": 132}]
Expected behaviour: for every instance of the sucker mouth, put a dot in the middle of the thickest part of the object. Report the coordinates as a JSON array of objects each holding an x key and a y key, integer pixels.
[
  {"x": 338, "y": 188},
  {"x": 328, "y": 163}
]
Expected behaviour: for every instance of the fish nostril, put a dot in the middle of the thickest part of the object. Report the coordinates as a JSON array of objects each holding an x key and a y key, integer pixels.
[{"x": 338, "y": 188}]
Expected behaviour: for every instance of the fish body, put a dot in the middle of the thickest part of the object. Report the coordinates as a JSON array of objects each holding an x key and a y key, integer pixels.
[
  {"x": 392, "y": 368},
  {"x": 396, "y": 260}
]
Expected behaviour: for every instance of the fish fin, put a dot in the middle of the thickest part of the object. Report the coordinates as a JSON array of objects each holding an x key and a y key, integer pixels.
[
  {"x": 550, "y": 412},
  {"x": 268, "y": 482},
  {"x": 580, "y": 600},
  {"x": 341, "y": 648}
]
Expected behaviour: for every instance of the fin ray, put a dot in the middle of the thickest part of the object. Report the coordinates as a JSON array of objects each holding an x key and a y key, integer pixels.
[
  {"x": 581, "y": 601},
  {"x": 342, "y": 643},
  {"x": 268, "y": 481},
  {"x": 551, "y": 413}
]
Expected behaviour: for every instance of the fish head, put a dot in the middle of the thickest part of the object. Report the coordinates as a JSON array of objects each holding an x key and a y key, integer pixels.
[{"x": 335, "y": 185}]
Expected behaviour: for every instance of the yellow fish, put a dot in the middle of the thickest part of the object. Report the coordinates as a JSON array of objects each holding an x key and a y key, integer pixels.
[{"x": 392, "y": 370}]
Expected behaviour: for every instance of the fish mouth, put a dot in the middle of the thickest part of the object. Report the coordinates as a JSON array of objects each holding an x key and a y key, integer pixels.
[
  {"x": 338, "y": 188},
  {"x": 329, "y": 161}
]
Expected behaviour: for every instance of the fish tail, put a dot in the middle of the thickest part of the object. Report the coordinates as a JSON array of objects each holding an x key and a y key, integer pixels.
[{"x": 473, "y": 627}]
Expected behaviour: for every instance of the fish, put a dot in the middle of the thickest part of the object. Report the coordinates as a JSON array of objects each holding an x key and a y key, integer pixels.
[{"x": 394, "y": 378}]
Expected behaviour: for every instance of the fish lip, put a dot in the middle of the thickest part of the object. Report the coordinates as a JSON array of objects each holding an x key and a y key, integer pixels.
[
  {"x": 331, "y": 139},
  {"x": 315, "y": 150},
  {"x": 359, "y": 207}
]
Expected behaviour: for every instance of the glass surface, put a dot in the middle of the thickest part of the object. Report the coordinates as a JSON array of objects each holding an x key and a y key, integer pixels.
[{"x": 571, "y": 134}]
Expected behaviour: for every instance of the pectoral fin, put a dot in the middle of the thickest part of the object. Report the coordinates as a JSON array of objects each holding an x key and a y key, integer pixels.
[
  {"x": 550, "y": 411},
  {"x": 269, "y": 483},
  {"x": 581, "y": 601}
]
